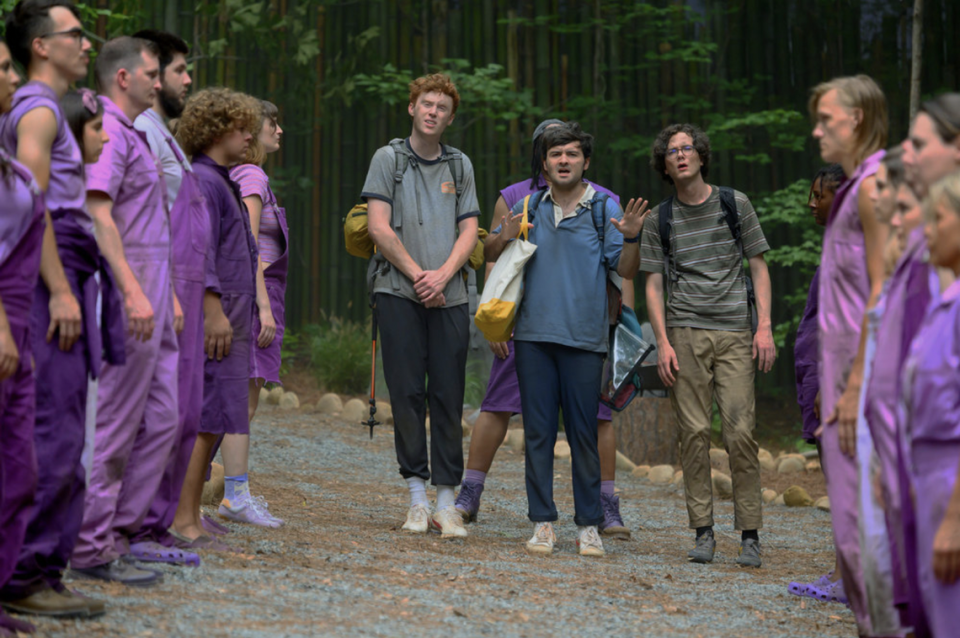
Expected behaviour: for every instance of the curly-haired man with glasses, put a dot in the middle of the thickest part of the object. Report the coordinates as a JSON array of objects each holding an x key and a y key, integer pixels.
[{"x": 704, "y": 340}]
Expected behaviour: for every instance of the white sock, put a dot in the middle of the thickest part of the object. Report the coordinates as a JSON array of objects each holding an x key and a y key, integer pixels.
[
  {"x": 418, "y": 491},
  {"x": 446, "y": 496}
]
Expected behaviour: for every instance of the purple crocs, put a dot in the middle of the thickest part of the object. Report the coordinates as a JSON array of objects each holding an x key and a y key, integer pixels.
[
  {"x": 468, "y": 501},
  {"x": 612, "y": 525},
  {"x": 821, "y": 589}
]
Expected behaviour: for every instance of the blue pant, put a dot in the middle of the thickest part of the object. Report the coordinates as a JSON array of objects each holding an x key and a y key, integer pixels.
[{"x": 553, "y": 376}]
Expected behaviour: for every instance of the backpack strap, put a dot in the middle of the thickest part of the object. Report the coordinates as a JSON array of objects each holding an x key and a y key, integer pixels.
[
  {"x": 401, "y": 162},
  {"x": 665, "y": 217},
  {"x": 728, "y": 202}
]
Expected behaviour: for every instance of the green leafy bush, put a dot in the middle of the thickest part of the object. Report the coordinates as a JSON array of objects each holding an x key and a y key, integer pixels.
[{"x": 338, "y": 353}]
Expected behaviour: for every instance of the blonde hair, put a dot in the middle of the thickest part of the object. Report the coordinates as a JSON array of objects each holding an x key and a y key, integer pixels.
[
  {"x": 947, "y": 188},
  {"x": 211, "y": 114},
  {"x": 863, "y": 93},
  {"x": 256, "y": 153}
]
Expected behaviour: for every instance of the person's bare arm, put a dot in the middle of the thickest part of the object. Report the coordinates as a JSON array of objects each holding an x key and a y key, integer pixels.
[
  {"x": 36, "y": 132},
  {"x": 9, "y": 353},
  {"x": 875, "y": 237},
  {"x": 138, "y": 308},
  {"x": 946, "y": 542},
  {"x": 764, "y": 350},
  {"x": 667, "y": 364},
  {"x": 383, "y": 235},
  {"x": 268, "y": 326}
]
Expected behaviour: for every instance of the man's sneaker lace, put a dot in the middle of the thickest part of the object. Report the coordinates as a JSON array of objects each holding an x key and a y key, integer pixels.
[
  {"x": 703, "y": 552},
  {"x": 468, "y": 500},
  {"x": 418, "y": 519},
  {"x": 543, "y": 539},
  {"x": 589, "y": 542},
  {"x": 749, "y": 553}
]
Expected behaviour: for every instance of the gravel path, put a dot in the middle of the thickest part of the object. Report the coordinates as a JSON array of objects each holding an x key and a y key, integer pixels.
[{"x": 342, "y": 567}]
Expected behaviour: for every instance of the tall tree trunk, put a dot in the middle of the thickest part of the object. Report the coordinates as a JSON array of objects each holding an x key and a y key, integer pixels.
[{"x": 917, "y": 55}]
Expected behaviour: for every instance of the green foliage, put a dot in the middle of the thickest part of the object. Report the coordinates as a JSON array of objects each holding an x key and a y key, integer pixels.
[
  {"x": 120, "y": 19},
  {"x": 338, "y": 354},
  {"x": 283, "y": 39},
  {"x": 485, "y": 93}
]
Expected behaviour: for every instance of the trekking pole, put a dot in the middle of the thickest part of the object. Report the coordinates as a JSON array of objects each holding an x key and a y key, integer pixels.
[{"x": 371, "y": 422}]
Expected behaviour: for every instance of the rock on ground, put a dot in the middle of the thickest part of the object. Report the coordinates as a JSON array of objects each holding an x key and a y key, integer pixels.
[
  {"x": 779, "y": 500},
  {"x": 515, "y": 440},
  {"x": 813, "y": 466},
  {"x": 274, "y": 394},
  {"x": 790, "y": 465},
  {"x": 289, "y": 401},
  {"x": 796, "y": 496},
  {"x": 720, "y": 460},
  {"x": 766, "y": 460},
  {"x": 722, "y": 484},
  {"x": 678, "y": 478},
  {"x": 355, "y": 411},
  {"x": 307, "y": 408},
  {"x": 330, "y": 404},
  {"x": 768, "y": 495},
  {"x": 384, "y": 411},
  {"x": 823, "y": 503},
  {"x": 561, "y": 450},
  {"x": 661, "y": 474},
  {"x": 213, "y": 489},
  {"x": 264, "y": 395},
  {"x": 624, "y": 464},
  {"x": 641, "y": 471}
]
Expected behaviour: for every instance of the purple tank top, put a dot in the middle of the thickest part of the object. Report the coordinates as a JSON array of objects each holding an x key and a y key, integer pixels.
[
  {"x": 66, "y": 193},
  {"x": 516, "y": 192},
  {"x": 844, "y": 286},
  {"x": 21, "y": 232}
]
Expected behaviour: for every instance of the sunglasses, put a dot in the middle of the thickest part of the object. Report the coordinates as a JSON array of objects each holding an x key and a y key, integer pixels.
[{"x": 77, "y": 33}]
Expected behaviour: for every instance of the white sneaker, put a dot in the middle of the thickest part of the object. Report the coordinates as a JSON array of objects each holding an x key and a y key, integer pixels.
[
  {"x": 418, "y": 517},
  {"x": 543, "y": 539},
  {"x": 449, "y": 522},
  {"x": 589, "y": 541}
]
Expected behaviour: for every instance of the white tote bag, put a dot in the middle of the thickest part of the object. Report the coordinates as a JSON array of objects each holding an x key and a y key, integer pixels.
[{"x": 497, "y": 312}]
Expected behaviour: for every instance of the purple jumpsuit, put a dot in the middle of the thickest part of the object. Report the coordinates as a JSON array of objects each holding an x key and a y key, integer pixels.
[
  {"x": 844, "y": 291},
  {"x": 137, "y": 414},
  {"x": 910, "y": 290},
  {"x": 61, "y": 403},
  {"x": 190, "y": 226},
  {"x": 21, "y": 237},
  {"x": 805, "y": 356},
  {"x": 253, "y": 181},
  {"x": 231, "y": 273},
  {"x": 503, "y": 389},
  {"x": 931, "y": 390}
]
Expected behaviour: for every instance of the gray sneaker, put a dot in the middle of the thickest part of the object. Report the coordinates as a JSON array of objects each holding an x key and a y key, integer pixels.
[
  {"x": 703, "y": 552},
  {"x": 749, "y": 554}
]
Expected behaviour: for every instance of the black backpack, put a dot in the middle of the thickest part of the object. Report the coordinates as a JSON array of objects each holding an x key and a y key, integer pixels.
[{"x": 728, "y": 203}]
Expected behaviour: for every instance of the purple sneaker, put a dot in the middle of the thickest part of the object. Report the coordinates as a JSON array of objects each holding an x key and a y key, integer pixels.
[
  {"x": 468, "y": 501},
  {"x": 612, "y": 524}
]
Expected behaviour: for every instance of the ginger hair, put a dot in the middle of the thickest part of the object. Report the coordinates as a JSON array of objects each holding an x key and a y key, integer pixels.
[
  {"x": 211, "y": 114},
  {"x": 435, "y": 82}
]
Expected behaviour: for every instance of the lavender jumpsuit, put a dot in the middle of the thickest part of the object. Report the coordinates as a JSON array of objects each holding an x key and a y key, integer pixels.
[
  {"x": 844, "y": 290},
  {"x": 61, "y": 397},
  {"x": 910, "y": 290},
  {"x": 931, "y": 388},
  {"x": 137, "y": 414},
  {"x": 21, "y": 236},
  {"x": 503, "y": 389},
  {"x": 190, "y": 226},
  {"x": 231, "y": 273}
]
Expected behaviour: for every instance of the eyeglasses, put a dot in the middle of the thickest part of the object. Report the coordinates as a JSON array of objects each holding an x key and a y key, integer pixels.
[
  {"x": 671, "y": 152},
  {"x": 77, "y": 33}
]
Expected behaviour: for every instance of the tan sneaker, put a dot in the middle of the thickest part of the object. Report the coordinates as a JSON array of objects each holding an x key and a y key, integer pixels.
[
  {"x": 589, "y": 541},
  {"x": 543, "y": 539},
  {"x": 418, "y": 518},
  {"x": 449, "y": 522}
]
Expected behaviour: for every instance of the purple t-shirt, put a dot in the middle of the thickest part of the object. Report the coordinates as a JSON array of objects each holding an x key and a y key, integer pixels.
[
  {"x": 66, "y": 193},
  {"x": 129, "y": 174}
]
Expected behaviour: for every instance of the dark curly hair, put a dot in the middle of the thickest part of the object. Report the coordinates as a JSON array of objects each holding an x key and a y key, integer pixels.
[
  {"x": 658, "y": 157},
  {"x": 564, "y": 134}
]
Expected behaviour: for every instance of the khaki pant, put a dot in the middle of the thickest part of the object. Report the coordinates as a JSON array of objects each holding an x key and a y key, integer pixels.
[{"x": 716, "y": 364}]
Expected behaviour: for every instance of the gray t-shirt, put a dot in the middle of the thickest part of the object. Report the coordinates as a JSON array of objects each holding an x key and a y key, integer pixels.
[
  {"x": 425, "y": 215},
  {"x": 153, "y": 126}
]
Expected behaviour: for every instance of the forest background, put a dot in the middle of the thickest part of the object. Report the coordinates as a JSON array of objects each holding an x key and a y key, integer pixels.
[{"x": 741, "y": 69}]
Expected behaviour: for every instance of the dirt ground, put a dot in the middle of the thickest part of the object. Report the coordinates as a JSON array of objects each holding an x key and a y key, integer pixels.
[{"x": 341, "y": 565}]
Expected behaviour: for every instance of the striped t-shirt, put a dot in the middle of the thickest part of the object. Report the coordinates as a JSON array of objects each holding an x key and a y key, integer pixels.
[{"x": 710, "y": 292}]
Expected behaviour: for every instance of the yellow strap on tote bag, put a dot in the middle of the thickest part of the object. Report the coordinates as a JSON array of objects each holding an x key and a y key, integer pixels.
[{"x": 497, "y": 312}]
